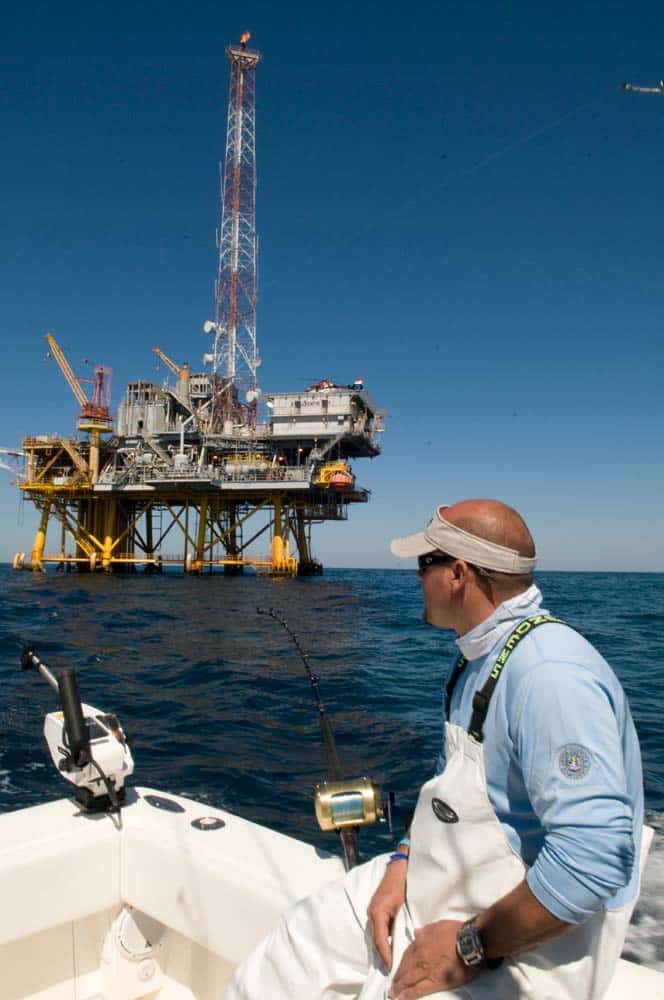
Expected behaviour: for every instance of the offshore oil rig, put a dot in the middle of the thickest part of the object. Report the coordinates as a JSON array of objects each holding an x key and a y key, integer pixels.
[{"x": 205, "y": 472}]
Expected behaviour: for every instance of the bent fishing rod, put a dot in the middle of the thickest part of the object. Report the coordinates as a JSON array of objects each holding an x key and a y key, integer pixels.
[{"x": 341, "y": 805}]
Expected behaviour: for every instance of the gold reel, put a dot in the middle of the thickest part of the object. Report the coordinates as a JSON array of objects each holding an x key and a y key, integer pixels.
[{"x": 352, "y": 802}]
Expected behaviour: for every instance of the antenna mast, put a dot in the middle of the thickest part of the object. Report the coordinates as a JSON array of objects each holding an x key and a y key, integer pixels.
[{"x": 235, "y": 356}]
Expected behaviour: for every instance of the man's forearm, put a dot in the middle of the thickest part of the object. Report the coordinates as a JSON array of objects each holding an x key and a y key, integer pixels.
[{"x": 517, "y": 922}]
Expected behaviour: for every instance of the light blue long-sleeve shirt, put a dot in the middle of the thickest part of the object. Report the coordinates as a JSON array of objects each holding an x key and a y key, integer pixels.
[{"x": 562, "y": 761}]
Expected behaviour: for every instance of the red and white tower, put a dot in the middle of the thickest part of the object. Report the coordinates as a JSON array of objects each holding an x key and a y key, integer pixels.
[{"x": 234, "y": 354}]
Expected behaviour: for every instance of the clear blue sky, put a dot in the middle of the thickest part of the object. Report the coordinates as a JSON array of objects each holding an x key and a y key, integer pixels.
[{"x": 456, "y": 202}]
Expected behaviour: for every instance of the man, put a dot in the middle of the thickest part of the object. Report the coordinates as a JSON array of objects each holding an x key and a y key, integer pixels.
[{"x": 521, "y": 868}]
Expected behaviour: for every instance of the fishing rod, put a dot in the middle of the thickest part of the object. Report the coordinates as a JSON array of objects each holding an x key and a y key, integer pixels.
[
  {"x": 342, "y": 804},
  {"x": 326, "y": 729}
]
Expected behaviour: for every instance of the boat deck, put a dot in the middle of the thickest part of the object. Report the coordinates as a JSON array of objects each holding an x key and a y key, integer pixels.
[{"x": 156, "y": 904}]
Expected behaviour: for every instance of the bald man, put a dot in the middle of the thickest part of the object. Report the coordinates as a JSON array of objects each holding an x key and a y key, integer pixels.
[{"x": 519, "y": 873}]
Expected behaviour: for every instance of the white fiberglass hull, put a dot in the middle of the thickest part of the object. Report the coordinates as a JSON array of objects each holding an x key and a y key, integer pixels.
[{"x": 149, "y": 905}]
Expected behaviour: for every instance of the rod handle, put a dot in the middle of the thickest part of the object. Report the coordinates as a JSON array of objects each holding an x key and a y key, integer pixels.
[{"x": 77, "y": 734}]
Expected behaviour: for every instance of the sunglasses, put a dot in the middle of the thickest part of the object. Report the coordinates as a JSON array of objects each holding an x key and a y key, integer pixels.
[{"x": 433, "y": 559}]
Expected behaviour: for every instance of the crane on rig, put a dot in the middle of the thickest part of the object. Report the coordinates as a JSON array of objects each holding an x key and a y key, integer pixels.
[
  {"x": 178, "y": 370},
  {"x": 95, "y": 415},
  {"x": 12, "y": 461}
]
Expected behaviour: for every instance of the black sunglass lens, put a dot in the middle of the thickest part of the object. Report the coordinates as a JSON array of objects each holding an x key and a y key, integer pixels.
[{"x": 433, "y": 559}]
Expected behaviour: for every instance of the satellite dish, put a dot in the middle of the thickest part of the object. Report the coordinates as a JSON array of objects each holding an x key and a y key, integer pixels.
[
  {"x": 209, "y": 326},
  {"x": 257, "y": 361},
  {"x": 251, "y": 396},
  {"x": 208, "y": 359}
]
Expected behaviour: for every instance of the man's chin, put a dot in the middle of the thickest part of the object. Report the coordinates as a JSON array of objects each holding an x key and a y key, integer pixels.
[{"x": 427, "y": 621}]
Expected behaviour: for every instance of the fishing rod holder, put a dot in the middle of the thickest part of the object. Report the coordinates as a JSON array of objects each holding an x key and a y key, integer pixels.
[{"x": 87, "y": 746}]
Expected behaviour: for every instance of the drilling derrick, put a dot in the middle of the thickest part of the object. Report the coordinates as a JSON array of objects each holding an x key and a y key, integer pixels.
[
  {"x": 198, "y": 471},
  {"x": 234, "y": 354}
]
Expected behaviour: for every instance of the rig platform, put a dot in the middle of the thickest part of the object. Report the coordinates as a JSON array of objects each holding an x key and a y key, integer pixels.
[{"x": 166, "y": 473}]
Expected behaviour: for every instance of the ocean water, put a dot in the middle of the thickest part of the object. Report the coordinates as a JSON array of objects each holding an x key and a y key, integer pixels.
[{"x": 221, "y": 710}]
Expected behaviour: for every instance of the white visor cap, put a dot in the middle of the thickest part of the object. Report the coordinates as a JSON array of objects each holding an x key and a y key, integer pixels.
[{"x": 441, "y": 535}]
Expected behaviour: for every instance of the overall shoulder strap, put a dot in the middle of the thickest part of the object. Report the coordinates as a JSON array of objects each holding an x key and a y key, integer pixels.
[
  {"x": 457, "y": 670},
  {"x": 482, "y": 698}
]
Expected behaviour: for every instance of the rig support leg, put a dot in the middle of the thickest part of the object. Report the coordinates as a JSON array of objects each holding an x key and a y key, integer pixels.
[
  {"x": 277, "y": 539},
  {"x": 109, "y": 526},
  {"x": 36, "y": 564},
  {"x": 200, "y": 539},
  {"x": 231, "y": 541},
  {"x": 62, "y": 565},
  {"x": 307, "y": 565},
  {"x": 186, "y": 556},
  {"x": 149, "y": 542},
  {"x": 283, "y": 563}
]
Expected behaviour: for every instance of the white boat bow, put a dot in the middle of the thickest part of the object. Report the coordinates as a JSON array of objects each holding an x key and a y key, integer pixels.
[{"x": 159, "y": 901}]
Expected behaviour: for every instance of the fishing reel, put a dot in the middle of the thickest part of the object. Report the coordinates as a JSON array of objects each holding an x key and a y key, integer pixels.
[
  {"x": 349, "y": 802},
  {"x": 88, "y": 747}
]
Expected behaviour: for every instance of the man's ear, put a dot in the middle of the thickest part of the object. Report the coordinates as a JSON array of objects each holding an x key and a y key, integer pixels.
[{"x": 460, "y": 574}]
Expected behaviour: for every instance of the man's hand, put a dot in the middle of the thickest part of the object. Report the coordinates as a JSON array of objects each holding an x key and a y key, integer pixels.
[
  {"x": 431, "y": 964},
  {"x": 385, "y": 903}
]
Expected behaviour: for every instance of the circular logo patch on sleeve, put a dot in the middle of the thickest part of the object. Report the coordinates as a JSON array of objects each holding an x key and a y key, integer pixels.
[{"x": 574, "y": 761}]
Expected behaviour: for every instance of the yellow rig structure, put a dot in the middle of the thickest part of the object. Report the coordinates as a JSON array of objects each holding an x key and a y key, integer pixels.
[{"x": 166, "y": 487}]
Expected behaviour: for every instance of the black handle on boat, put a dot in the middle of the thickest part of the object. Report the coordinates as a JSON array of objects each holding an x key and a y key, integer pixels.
[
  {"x": 348, "y": 835},
  {"x": 77, "y": 733}
]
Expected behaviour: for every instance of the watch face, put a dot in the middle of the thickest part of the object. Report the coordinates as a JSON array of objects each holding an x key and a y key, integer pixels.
[{"x": 469, "y": 944}]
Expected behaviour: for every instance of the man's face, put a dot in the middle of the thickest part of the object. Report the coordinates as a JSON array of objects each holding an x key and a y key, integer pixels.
[{"x": 436, "y": 580}]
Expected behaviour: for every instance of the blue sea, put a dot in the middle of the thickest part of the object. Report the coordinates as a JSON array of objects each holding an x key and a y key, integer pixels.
[{"x": 220, "y": 707}]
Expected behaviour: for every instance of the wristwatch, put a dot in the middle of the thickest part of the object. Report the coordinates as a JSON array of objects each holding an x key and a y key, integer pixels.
[
  {"x": 470, "y": 948},
  {"x": 469, "y": 944}
]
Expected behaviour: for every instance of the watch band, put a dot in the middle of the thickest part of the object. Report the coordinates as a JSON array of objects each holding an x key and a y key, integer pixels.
[{"x": 470, "y": 947}]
